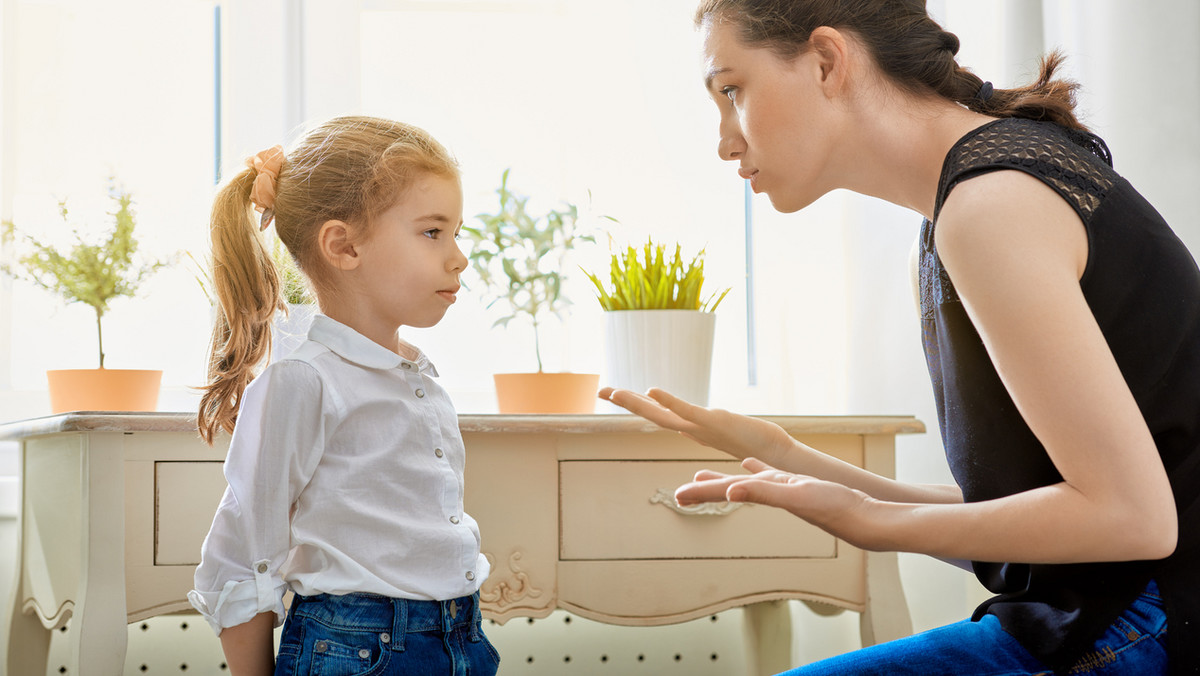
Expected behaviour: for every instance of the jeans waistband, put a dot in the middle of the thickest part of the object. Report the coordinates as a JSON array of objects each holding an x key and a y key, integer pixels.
[{"x": 396, "y": 617}]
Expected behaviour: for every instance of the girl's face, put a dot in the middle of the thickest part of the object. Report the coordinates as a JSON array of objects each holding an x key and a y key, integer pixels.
[
  {"x": 411, "y": 260},
  {"x": 775, "y": 117}
]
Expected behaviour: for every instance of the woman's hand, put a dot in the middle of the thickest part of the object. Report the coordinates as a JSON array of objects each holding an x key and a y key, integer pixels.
[
  {"x": 836, "y": 509},
  {"x": 738, "y": 435}
]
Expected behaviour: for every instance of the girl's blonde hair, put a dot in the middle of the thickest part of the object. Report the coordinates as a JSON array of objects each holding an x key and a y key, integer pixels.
[{"x": 349, "y": 169}]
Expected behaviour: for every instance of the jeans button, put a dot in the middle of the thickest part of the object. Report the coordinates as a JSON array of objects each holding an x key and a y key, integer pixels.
[
  {"x": 385, "y": 637},
  {"x": 364, "y": 653},
  {"x": 321, "y": 646}
]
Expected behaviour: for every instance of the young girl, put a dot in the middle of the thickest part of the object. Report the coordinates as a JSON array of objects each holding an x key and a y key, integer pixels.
[
  {"x": 345, "y": 468},
  {"x": 1061, "y": 321}
]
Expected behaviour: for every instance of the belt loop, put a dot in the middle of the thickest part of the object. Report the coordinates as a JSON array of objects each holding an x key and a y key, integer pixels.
[
  {"x": 476, "y": 619},
  {"x": 399, "y": 624}
]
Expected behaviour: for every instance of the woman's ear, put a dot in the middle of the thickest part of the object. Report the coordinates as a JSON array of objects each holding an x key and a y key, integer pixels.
[
  {"x": 336, "y": 246},
  {"x": 833, "y": 58}
]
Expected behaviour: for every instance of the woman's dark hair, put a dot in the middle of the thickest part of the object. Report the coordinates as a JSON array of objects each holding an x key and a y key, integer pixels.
[{"x": 910, "y": 48}]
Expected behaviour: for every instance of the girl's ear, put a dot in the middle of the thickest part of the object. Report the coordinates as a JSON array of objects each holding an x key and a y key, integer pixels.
[
  {"x": 833, "y": 58},
  {"x": 336, "y": 246}
]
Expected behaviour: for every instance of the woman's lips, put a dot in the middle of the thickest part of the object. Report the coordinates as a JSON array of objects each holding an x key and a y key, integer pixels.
[
  {"x": 751, "y": 175},
  {"x": 448, "y": 295}
]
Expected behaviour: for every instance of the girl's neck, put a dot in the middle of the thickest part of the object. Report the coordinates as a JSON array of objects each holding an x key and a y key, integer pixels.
[{"x": 379, "y": 332}]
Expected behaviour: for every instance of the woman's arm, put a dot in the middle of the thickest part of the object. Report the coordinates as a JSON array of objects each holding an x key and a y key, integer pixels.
[
  {"x": 250, "y": 647},
  {"x": 1015, "y": 251},
  {"x": 745, "y": 437}
]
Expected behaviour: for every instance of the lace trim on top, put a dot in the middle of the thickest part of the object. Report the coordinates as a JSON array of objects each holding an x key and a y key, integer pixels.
[{"x": 1063, "y": 159}]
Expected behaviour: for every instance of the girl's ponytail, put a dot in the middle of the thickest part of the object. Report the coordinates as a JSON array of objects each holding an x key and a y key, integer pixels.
[{"x": 248, "y": 293}]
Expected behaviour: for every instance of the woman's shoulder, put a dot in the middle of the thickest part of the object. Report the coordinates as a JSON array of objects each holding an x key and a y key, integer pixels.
[{"x": 1074, "y": 164}]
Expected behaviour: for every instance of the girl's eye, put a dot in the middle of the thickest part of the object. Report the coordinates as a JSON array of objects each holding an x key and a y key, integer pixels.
[{"x": 432, "y": 233}]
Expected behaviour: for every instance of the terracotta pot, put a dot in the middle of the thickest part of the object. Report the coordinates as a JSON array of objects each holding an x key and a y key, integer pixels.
[
  {"x": 547, "y": 392},
  {"x": 103, "y": 390}
]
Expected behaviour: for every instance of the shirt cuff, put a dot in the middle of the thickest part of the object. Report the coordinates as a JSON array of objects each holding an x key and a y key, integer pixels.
[{"x": 239, "y": 601}]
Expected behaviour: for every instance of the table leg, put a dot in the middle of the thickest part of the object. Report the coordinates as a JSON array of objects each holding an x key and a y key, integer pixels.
[
  {"x": 98, "y": 631},
  {"x": 767, "y": 630},
  {"x": 28, "y": 640},
  {"x": 886, "y": 616}
]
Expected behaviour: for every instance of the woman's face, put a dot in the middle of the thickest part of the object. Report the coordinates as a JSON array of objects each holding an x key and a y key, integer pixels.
[{"x": 776, "y": 117}]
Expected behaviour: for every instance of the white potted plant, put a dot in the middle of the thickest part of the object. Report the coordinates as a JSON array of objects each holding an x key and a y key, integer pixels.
[
  {"x": 92, "y": 273},
  {"x": 519, "y": 259},
  {"x": 658, "y": 324},
  {"x": 290, "y": 330}
]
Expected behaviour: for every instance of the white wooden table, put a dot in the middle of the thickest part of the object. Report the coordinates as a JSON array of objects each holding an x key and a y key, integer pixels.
[{"x": 574, "y": 511}]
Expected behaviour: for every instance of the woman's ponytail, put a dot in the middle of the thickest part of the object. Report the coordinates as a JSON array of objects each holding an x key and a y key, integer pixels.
[
  {"x": 248, "y": 293},
  {"x": 1046, "y": 98}
]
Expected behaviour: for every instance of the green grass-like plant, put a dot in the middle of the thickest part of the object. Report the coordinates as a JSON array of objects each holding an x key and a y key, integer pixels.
[
  {"x": 654, "y": 281},
  {"x": 519, "y": 257},
  {"x": 292, "y": 282},
  {"x": 90, "y": 273}
]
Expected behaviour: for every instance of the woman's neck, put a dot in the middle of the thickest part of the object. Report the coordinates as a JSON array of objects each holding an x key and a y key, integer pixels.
[{"x": 899, "y": 153}]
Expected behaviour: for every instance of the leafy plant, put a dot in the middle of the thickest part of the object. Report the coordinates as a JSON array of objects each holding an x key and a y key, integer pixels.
[
  {"x": 292, "y": 282},
  {"x": 655, "y": 282},
  {"x": 90, "y": 273},
  {"x": 519, "y": 257}
]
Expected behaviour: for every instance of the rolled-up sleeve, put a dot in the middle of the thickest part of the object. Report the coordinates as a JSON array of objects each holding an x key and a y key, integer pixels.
[{"x": 276, "y": 446}]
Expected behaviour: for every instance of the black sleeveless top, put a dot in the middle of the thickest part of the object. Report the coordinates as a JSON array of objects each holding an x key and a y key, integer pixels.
[{"x": 1143, "y": 287}]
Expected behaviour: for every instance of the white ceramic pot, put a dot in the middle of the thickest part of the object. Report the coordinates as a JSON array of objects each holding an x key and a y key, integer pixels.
[
  {"x": 288, "y": 333},
  {"x": 669, "y": 349}
]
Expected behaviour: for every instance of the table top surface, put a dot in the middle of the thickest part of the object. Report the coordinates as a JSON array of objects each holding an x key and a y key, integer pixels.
[{"x": 111, "y": 421}]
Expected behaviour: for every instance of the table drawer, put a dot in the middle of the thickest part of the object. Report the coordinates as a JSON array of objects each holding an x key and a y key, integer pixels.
[
  {"x": 614, "y": 510},
  {"x": 186, "y": 495}
]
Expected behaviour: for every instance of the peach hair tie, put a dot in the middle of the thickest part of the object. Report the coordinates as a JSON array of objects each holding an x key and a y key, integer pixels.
[{"x": 267, "y": 164}]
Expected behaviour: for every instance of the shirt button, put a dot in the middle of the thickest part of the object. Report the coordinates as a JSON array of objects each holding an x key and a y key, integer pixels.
[
  {"x": 438, "y": 452},
  {"x": 385, "y": 637},
  {"x": 420, "y": 394},
  {"x": 262, "y": 568},
  {"x": 470, "y": 575},
  {"x": 364, "y": 653},
  {"x": 454, "y": 519},
  {"x": 406, "y": 366}
]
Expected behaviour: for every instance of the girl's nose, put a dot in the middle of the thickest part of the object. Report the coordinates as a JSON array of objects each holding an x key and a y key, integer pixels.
[{"x": 458, "y": 261}]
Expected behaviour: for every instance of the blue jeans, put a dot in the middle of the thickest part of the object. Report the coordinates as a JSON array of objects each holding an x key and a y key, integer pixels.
[
  {"x": 366, "y": 634},
  {"x": 1135, "y": 645}
]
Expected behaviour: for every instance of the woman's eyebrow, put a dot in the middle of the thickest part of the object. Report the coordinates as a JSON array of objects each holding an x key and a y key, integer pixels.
[{"x": 712, "y": 75}]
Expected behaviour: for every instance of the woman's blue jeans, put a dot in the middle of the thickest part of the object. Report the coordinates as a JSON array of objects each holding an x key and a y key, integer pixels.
[
  {"x": 1135, "y": 645},
  {"x": 370, "y": 635}
]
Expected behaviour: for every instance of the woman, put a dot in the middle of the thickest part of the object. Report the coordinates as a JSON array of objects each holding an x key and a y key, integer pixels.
[{"x": 1061, "y": 322}]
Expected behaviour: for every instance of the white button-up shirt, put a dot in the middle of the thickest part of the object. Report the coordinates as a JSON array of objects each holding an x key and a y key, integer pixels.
[{"x": 345, "y": 475}]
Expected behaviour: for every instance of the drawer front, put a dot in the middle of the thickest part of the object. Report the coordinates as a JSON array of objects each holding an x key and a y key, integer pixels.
[
  {"x": 623, "y": 510},
  {"x": 186, "y": 495}
]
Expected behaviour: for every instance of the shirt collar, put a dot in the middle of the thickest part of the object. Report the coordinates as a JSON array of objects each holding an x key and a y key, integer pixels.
[{"x": 357, "y": 348}]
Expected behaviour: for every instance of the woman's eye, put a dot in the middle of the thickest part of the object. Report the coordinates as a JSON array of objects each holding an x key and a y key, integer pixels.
[{"x": 729, "y": 93}]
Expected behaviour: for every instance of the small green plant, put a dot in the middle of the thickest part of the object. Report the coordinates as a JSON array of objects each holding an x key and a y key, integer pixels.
[
  {"x": 655, "y": 282},
  {"x": 90, "y": 273},
  {"x": 519, "y": 257},
  {"x": 292, "y": 282}
]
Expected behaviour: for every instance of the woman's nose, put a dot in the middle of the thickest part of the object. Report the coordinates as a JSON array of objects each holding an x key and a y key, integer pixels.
[{"x": 731, "y": 144}]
